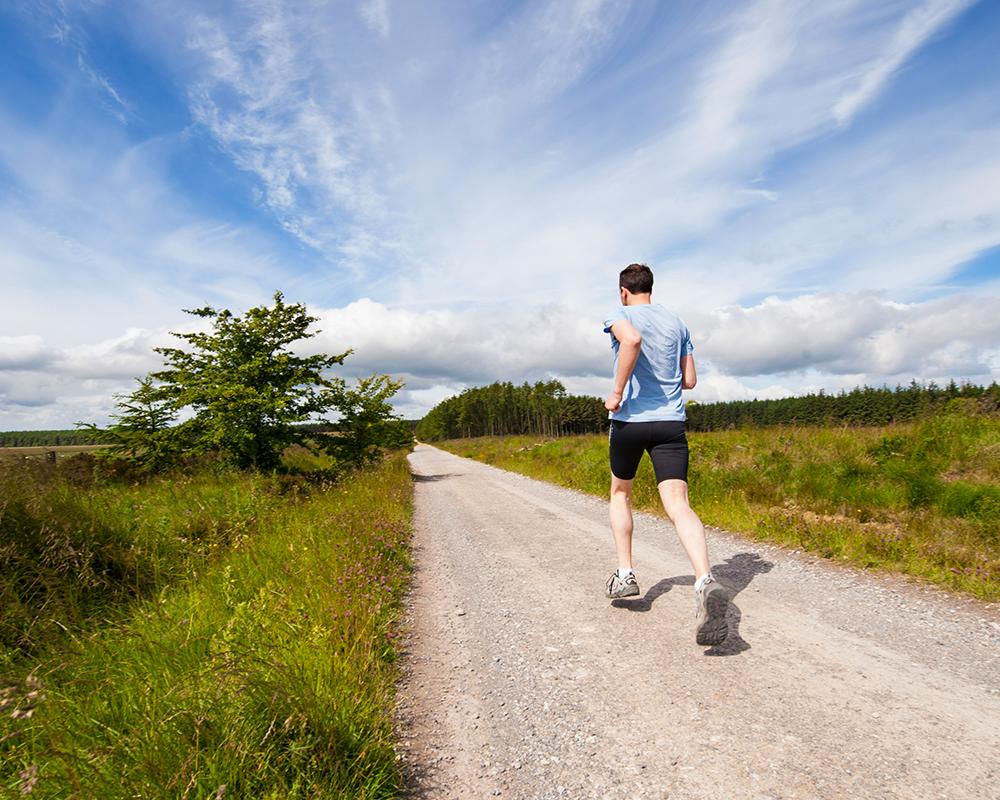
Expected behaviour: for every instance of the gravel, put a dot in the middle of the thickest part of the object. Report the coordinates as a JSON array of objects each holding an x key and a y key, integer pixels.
[{"x": 521, "y": 680}]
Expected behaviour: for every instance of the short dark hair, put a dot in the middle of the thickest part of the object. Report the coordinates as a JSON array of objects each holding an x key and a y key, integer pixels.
[{"x": 637, "y": 278}]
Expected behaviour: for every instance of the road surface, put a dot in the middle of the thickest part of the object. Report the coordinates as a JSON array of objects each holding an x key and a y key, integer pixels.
[{"x": 523, "y": 681}]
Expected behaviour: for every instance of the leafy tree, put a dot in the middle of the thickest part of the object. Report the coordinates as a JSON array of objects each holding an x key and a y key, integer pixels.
[
  {"x": 246, "y": 395},
  {"x": 367, "y": 424},
  {"x": 142, "y": 432}
]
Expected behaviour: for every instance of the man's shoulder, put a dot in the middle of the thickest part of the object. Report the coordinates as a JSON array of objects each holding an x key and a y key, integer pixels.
[
  {"x": 664, "y": 311},
  {"x": 670, "y": 317},
  {"x": 612, "y": 316}
]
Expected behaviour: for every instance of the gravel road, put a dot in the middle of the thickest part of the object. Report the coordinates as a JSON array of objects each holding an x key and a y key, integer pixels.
[{"x": 523, "y": 681}]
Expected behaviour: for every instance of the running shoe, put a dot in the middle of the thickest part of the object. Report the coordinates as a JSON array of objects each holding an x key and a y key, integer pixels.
[
  {"x": 622, "y": 587},
  {"x": 712, "y": 601}
]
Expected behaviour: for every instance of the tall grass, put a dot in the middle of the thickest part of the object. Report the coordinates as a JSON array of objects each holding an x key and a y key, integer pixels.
[
  {"x": 264, "y": 667},
  {"x": 72, "y": 551},
  {"x": 921, "y": 499}
]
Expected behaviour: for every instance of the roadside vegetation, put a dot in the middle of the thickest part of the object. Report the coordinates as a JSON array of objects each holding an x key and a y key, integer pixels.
[
  {"x": 205, "y": 607},
  {"x": 922, "y": 499},
  {"x": 209, "y": 635}
]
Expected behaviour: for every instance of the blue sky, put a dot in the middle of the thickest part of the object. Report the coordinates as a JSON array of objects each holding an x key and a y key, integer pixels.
[{"x": 453, "y": 187}]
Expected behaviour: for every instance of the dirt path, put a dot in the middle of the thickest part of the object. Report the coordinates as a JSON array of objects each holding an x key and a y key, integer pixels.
[{"x": 524, "y": 681}]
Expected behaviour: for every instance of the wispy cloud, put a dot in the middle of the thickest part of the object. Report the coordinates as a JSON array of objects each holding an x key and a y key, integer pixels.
[
  {"x": 55, "y": 18},
  {"x": 916, "y": 28},
  {"x": 375, "y": 14},
  {"x": 120, "y": 107},
  {"x": 258, "y": 94},
  {"x": 462, "y": 146},
  {"x": 96, "y": 239}
]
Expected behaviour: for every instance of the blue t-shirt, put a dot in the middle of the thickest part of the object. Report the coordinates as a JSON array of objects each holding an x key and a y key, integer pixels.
[{"x": 654, "y": 392}]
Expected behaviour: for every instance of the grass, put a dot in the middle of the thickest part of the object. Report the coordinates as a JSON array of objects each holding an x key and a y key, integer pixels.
[
  {"x": 72, "y": 551},
  {"x": 235, "y": 639},
  {"x": 920, "y": 499}
]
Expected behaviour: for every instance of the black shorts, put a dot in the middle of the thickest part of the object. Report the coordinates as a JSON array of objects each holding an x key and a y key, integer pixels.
[{"x": 665, "y": 441}]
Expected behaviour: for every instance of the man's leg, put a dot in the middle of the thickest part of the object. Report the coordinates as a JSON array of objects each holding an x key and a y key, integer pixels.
[
  {"x": 620, "y": 513},
  {"x": 622, "y": 582},
  {"x": 626, "y": 444},
  {"x": 712, "y": 599},
  {"x": 674, "y": 494}
]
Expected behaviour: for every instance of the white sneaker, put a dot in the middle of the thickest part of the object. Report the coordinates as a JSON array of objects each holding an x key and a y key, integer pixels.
[
  {"x": 622, "y": 587},
  {"x": 712, "y": 602}
]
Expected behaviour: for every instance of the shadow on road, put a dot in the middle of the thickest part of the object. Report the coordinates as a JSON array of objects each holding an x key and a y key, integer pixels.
[
  {"x": 432, "y": 478},
  {"x": 645, "y": 603},
  {"x": 735, "y": 574}
]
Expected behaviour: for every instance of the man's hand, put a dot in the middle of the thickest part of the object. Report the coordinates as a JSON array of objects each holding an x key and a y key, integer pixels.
[{"x": 614, "y": 401}]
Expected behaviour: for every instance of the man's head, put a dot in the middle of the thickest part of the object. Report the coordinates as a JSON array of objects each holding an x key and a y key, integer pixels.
[{"x": 635, "y": 279}]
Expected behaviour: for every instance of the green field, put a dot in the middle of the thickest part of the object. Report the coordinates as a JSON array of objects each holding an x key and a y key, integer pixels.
[
  {"x": 205, "y": 634},
  {"x": 920, "y": 499},
  {"x": 37, "y": 452}
]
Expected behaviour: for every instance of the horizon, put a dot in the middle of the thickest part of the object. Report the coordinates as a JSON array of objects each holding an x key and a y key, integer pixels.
[
  {"x": 452, "y": 191},
  {"x": 898, "y": 388}
]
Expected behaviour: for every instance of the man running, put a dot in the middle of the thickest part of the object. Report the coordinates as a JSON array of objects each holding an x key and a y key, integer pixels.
[{"x": 653, "y": 364}]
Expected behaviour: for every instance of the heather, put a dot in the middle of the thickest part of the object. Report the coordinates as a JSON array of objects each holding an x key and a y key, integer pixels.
[{"x": 921, "y": 499}]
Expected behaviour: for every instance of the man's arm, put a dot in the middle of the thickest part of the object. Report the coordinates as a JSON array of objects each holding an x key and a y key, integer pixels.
[
  {"x": 689, "y": 378},
  {"x": 629, "y": 342}
]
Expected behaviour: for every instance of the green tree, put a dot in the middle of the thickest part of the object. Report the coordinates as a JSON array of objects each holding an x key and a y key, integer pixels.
[
  {"x": 367, "y": 424},
  {"x": 245, "y": 387},
  {"x": 142, "y": 431},
  {"x": 246, "y": 395}
]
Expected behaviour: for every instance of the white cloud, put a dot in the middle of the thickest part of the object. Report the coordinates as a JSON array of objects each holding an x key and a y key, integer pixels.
[
  {"x": 375, "y": 14},
  {"x": 120, "y": 105},
  {"x": 127, "y": 356},
  {"x": 570, "y": 137},
  {"x": 559, "y": 42},
  {"x": 413, "y": 403},
  {"x": 695, "y": 176},
  {"x": 469, "y": 346},
  {"x": 773, "y": 349},
  {"x": 859, "y": 334},
  {"x": 916, "y": 27},
  {"x": 23, "y": 352},
  {"x": 96, "y": 238},
  {"x": 255, "y": 89},
  {"x": 56, "y": 18}
]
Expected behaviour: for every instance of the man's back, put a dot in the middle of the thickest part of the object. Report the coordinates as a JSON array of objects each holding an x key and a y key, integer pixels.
[{"x": 654, "y": 391}]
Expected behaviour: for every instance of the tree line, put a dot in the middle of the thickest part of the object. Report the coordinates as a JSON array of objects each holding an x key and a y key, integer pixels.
[
  {"x": 865, "y": 405},
  {"x": 503, "y": 409},
  {"x": 45, "y": 438},
  {"x": 545, "y": 409}
]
